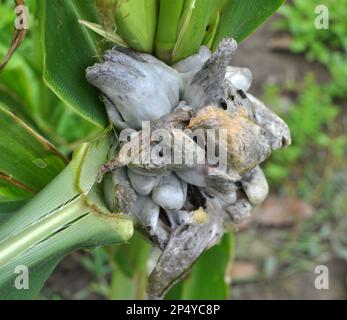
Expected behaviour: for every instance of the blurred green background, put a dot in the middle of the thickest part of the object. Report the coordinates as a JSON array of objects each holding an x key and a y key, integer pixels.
[{"x": 301, "y": 73}]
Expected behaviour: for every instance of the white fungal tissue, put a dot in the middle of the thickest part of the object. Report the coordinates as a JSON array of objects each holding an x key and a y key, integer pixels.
[{"x": 183, "y": 208}]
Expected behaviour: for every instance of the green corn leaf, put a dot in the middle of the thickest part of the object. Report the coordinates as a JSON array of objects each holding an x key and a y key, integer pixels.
[
  {"x": 10, "y": 192},
  {"x": 7, "y": 208},
  {"x": 69, "y": 49},
  {"x": 175, "y": 292},
  {"x": 195, "y": 19},
  {"x": 240, "y": 18},
  {"x": 23, "y": 92},
  {"x": 169, "y": 20},
  {"x": 27, "y": 161},
  {"x": 136, "y": 22}
]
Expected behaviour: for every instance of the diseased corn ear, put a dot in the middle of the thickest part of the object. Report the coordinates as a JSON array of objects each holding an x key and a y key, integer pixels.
[
  {"x": 140, "y": 87},
  {"x": 194, "y": 62},
  {"x": 146, "y": 211},
  {"x": 182, "y": 206},
  {"x": 240, "y": 78},
  {"x": 272, "y": 123},
  {"x": 207, "y": 85},
  {"x": 171, "y": 193},
  {"x": 185, "y": 246},
  {"x": 239, "y": 211},
  {"x": 247, "y": 143}
]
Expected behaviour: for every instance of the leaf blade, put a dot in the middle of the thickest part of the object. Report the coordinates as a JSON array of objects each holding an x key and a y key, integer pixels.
[
  {"x": 241, "y": 17},
  {"x": 27, "y": 160},
  {"x": 64, "y": 68}
]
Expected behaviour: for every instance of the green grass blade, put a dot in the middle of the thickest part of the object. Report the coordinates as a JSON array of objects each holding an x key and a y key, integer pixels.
[
  {"x": 211, "y": 31},
  {"x": 240, "y": 18},
  {"x": 195, "y": 19},
  {"x": 136, "y": 22},
  {"x": 168, "y": 23},
  {"x": 218, "y": 6},
  {"x": 132, "y": 256},
  {"x": 10, "y": 192}
]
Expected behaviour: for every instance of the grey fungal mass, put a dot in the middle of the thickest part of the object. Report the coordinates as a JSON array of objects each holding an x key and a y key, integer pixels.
[{"x": 182, "y": 206}]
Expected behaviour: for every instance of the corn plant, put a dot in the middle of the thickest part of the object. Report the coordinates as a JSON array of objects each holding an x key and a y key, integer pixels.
[{"x": 50, "y": 201}]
